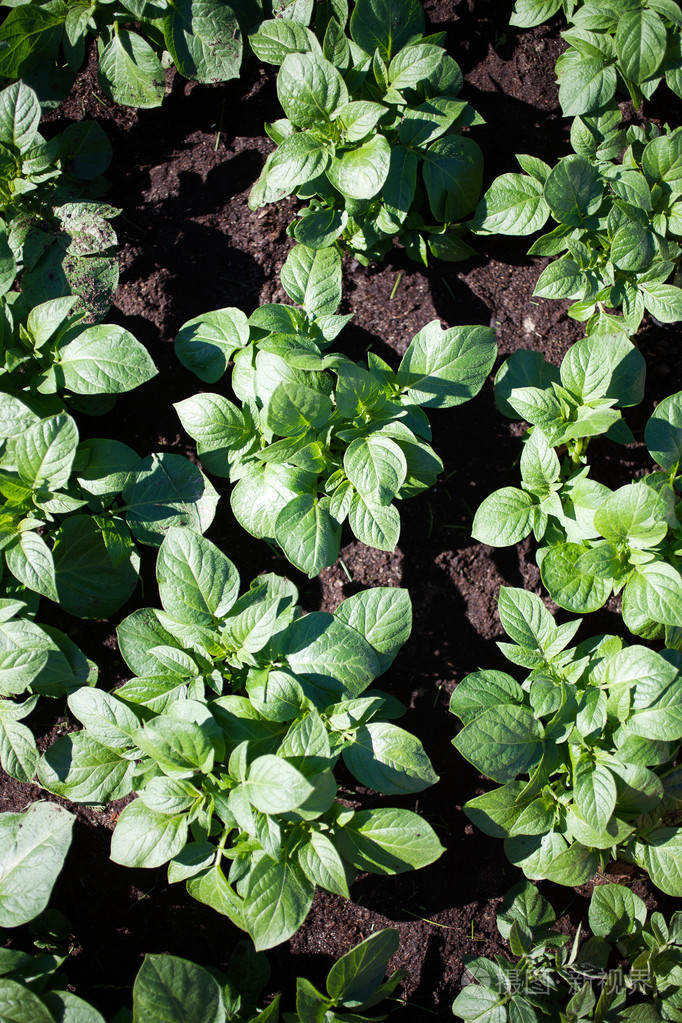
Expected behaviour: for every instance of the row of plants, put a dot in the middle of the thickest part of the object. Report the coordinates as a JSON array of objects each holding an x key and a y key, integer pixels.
[
  {"x": 167, "y": 989},
  {"x": 240, "y": 707}
]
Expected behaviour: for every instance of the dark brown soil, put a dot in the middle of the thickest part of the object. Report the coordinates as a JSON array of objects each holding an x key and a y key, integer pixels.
[{"x": 189, "y": 243}]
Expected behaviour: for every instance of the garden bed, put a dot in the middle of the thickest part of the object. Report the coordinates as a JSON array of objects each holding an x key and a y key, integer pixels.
[{"x": 188, "y": 243}]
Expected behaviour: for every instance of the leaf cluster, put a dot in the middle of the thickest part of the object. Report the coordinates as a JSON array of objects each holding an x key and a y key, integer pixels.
[
  {"x": 229, "y": 734},
  {"x": 53, "y": 227},
  {"x": 70, "y": 510},
  {"x": 583, "y": 749},
  {"x": 35, "y": 660},
  {"x": 319, "y": 439},
  {"x": 44, "y": 43},
  {"x": 372, "y": 133},
  {"x": 635, "y": 44},
  {"x": 618, "y": 222},
  {"x": 594, "y": 541},
  {"x": 555, "y": 978},
  {"x": 168, "y": 989},
  {"x": 46, "y": 350}
]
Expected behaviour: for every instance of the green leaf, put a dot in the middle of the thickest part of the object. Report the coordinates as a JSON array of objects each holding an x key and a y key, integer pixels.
[
  {"x": 504, "y": 518},
  {"x": 176, "y": 991},
  {"x": 32, "y": 851},
  {"x": 18, "y": 1004},
  {"x": 355, "y": 977},
  {"x": 594, "y": 790},
  {"x": 29, "y": 559},
  {"x": 569, "y": 587},
  {"x": 529, "y": 13},
  {"x": 663, "y": 432},
  {"x": 129, "y": 71},
  {"x": 181, "y": 748},
  {"x": 312, "y": 278},
  {"x": 307, "y": 533},
  {"x": 453, "y": 176},
  {"x": 615, "y": 912},
  {"x": 573, "y": 190},
  {"x": 108, "y": 720},
  {"x": 310, "y": 1004},
  {"x": 632, "y": 248},
  {"x": 204, "y": 39},
  {"x": 19, "y": 115},
  {"x": 197, "y": 583},
  {"x": 388, "y": 841},
  {"x": 104, "y": 360},
  {"x": 376, "y": 466},
  {"x": 388, "y": 759},
  {"x": 295, "y": 409},
  {"x": 661, "y": 856},
  {"x": 45, "y": 452},
  {"x": 323, "y": 865},
  {"x": 414, "y": 64},
  {"x": 277, "y": 902},
  {"x": 88, "y": 582},
  {"x": 377, "y": 525},
  {"x": 68, "y": 1008},
  {"x": 18, "y": 751},
  {"x": 664, "y": 301},
  {"x": 386, "y": 24},
  {"x": 360, "y": 173},
  {"x": 443, "y": 368},
  {"x": 322, "y": 647},
  {"x": 561, "y": 279},
  {"x": 655, "y": 591},
  {"x": 299, "y": 159},
  {"x": 383, "y": 615},
  {"x": 275, "y": 39},
  {"x": 31, "y": 34},
  {"x": 83, "y": 770},
  {"x": 145, "y": 838},
  {"x": 483, "y": 689},
  {"x": 514, "y": 205},
  {"x": 211, "y": 888},
  {"x": 429, "y": 120},
  {"x": 275, "y": 786},
  {"x": 502, "y": 743},
  {"x": 586, "y": 85},
  {"x": 221, "y": 430},
  {"x": 641, "y": 40},
  {"x": 206, "y": 343},
  {"x": 310, "y": 89},
  {"x": 482, "y": 1004},
  {"x": 166, "y": 491},
  {"x": 662, "y": 160},
  {"x": 495, "y": 812},
  {"x": 527, "y": 906},
  {"x": 525, "y": 618}
]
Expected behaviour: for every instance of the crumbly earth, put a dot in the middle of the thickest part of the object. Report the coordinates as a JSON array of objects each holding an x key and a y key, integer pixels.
[{"x": 182, "y": 174}]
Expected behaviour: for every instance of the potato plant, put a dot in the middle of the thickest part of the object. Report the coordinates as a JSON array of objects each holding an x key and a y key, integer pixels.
[
  {"x": 594, "y": 542},
  {"x": 618, "y": 222},
  {"x": 35, "y": 660},
  {"x": 136, "y": 41},
  {"x": 53, "y": 227},
  {"x": 583, "y": 750},
  {"x": 319, "y": 439},
  {"x": 70, "y": 511},
  {"x": 372, "y": 132},
  {"x": 630, "y": 965},
  {"x": 229, "y": 732},
  {"x": 50, "y": 359},
  {"x": 167, "y": 989},
  {"x": 631, "y": 44}
]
